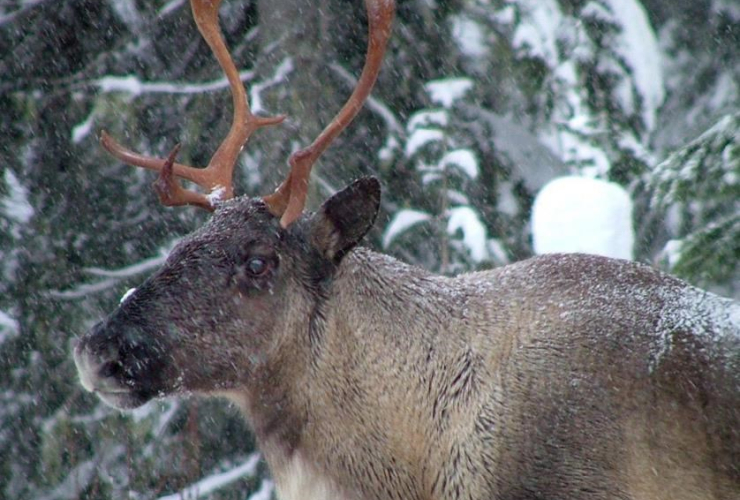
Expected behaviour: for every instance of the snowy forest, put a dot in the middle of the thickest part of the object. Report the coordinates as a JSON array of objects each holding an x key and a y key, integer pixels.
[{"x": 617, "y": 122}]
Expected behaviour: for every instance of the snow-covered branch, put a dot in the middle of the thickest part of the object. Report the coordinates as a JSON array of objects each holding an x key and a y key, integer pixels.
[
  {"x": 209, "y": 484},
  {"x": 9, "y": 327},
  {"x": 15, "y": 206},
  {"x": 113, "y": 276},
  {"x": 281, "y": 72},
  {"x": 170, "y": 7},
  {"x": 134, "y": 269},
  {"x": 84, "y": 290},
  {"x": 132, "y": 85}
]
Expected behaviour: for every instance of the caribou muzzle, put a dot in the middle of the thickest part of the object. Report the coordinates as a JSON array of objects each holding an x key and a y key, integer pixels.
[{"x": 120, "y": 366}]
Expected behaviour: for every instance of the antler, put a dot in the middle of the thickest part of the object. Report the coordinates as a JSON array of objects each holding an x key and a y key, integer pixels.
[
  {"x": 216, "y": 178},
  {"x": 289, "y": 199}
]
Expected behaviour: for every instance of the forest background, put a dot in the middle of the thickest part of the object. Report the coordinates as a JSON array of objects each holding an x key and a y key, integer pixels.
[{"x": 480, "y": 104}]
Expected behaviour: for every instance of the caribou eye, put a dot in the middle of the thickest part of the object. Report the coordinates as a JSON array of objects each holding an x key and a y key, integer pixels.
[{"x": 257, "y": 266}]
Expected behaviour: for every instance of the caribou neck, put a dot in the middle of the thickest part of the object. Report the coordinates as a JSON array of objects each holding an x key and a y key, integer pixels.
[{"x": 351, "y": 341}]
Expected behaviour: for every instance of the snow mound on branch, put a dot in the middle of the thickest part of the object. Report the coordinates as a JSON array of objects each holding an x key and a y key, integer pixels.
[
  {"x": 469, "y": 36},
  {"x": 445, "y": 92},
  {"x": 402, "y": 221},
  {"x": 9, "y": 327},
  {"x": 464, "y": 159},
  {"x": 539, "y": 35},
  {"x": 15, "y": 204},
  {"x": 638, "y": 46},
  {"x": 126, "y": 295},
  {"x": 420, "y": 138},
  {"x": 474, "y": 239},
  {"x": 426, "y": 119},
  {"x": 577, "y": 214}
]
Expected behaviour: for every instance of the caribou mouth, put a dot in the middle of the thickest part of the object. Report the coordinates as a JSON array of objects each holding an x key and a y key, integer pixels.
[
  {"x": 97, "y": 376},
  {"x": 122, "y": 400}
]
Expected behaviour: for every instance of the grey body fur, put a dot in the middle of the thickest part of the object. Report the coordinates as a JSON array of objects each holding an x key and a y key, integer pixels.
[{"x": 561, "y": 377}]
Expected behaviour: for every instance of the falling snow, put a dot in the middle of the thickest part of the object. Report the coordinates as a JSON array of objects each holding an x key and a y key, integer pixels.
[{"x": 493, "y": 129}]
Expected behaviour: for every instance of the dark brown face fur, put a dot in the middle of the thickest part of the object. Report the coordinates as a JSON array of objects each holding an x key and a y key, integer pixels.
[{"x": 217, "y": 308}]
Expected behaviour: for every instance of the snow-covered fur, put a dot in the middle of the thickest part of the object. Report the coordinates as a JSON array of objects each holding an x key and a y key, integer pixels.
[{"x": 560, "y": 377}]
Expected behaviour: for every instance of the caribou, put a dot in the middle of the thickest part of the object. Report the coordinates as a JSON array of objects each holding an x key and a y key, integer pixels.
[{"x": 364, "y": 378}]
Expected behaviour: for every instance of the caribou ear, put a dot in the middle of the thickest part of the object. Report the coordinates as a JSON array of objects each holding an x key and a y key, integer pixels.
[{"x": 345, "y": 218}]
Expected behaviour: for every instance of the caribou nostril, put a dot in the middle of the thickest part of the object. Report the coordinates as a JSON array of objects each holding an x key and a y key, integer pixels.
[{"x": 111, "y": 369}]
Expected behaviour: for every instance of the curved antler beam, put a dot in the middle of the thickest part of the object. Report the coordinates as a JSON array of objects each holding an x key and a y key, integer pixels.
[
  {"x": 217, "y": 176},
  {"x": 289, "y": 200}
]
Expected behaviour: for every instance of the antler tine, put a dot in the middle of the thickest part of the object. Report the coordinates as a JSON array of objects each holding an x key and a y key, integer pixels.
[
  {"x": 244, "y": 123},
  {"x": 171, "y": 192},
  {"x": 289, "y": 199},
  {"x": 126, "y": 155},
  {"x": 216, "y": 178}
]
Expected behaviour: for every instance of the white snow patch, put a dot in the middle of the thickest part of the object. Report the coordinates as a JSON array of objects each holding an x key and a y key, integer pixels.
[
  {"x": 733, "y": 316},
  {"x": 573, "y": 147},
  {"x": 710, "y": 318},
  {"x": 9, "y": 327},
  {"x": 403, "y": 220},
  {"x": 537, "y": 32},
  {"x": 126, "y": 295},
  {"x": 216, "y": 195},
  {"x": 506, "y": 15},
  {"x": 466, "y": 219},
  {"x": 725, "y": 90},
  {"x": 577, "y": 214},
  {"x": 574, "y": 125},
  {"x": 429, "y": 173},
  {"x": 144, "y": 412},
  {"x": 731, "y": 8},
  {"x": 388, "y": 151},
  {"x": 445, "y": 92},
  {"x": 128, "y": 84},
  {"x": 507, "y": 201},
  {"x": 420, "y": 138},
  {"x": 622, "y": 91},
  {"x": 464, "y": 159},
  {"x": 15, "y": 205},
  {"x": 164, "y": 418},
  {"x": 497, "y": 251},
  {"x": 170, "y": 7},
  {"x": 128, "y": 13},
  {"x": 82, "y": 130},
  {"x": 430, "y": 177},
  {"x": 638, "y": 46},
  {"x": 469, "y": 37},
  {"x": 672, "y": 252},
  {"x": 627, "y": 140},
  {"x": 457, "y": 197},
  {"x": 426, "y": 119},
  {"x": 265, "y": 491}
]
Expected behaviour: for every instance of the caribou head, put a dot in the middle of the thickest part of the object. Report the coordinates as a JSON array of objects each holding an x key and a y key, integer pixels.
[{"x": 227, "y": 283}]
